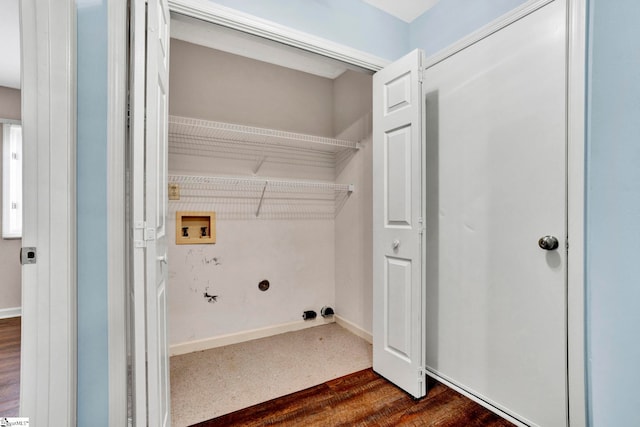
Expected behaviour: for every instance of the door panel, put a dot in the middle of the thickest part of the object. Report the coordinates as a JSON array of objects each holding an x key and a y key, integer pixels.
[
  {"x": 157, "y": 78},
  {"x": 397, "y": 150},
  {"x": 496, "y": 302},
  {"x": 397, "y": 290},
  {"x": 149, "y": 150},
  {"x": 397, "y": 229}
]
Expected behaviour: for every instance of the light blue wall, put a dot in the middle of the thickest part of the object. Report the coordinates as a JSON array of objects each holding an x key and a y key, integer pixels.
[
  {"x": 349, "y": 22},
  {"x": 613, "y": 214},
  {"x": 92, "y": 210},
  {"x": 450, "y": 20}
]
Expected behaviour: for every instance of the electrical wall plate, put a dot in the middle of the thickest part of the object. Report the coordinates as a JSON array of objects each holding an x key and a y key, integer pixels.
[
  {"x": 194, "y": 228},
  {"x": 174, "y": 191}
]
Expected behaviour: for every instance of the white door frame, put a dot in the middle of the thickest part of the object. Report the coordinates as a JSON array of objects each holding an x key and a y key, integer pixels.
[
  {"x": 576, "y": 112},
  {"x": 49, "y": 349},
  {"x": 211, "y": 12}
]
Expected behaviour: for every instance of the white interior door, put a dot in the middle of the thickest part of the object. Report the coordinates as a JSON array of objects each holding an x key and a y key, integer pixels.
[
  {"x": 149, "y": 210},
  {"x": 398, "y": 224},
  {"x": 496, "y": 184}
]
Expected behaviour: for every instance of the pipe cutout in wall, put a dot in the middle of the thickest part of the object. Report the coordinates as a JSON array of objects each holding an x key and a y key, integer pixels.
[{"x": 263, "y": 285}]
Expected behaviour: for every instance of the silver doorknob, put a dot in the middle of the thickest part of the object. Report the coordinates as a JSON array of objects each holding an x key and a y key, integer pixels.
[
  {"x": 396, "y": 243},
  {"x": 548, "y": 243}
]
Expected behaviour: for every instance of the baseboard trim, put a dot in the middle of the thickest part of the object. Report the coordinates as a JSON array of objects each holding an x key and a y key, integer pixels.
[
  {"x": 6, "y": 313},
  {"x": 478, "y": 399},
  {"x": 229, "y": 339},
  {"x": 354, "y": 329}
]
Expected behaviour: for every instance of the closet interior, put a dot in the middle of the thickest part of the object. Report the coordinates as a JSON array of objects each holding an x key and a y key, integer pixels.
[{"x": 269, "y": 190}]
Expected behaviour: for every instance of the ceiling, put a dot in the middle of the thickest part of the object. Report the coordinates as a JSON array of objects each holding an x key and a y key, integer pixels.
[
  {"x": 407, "y": 10},
  {"x": 10, "y": 36}
]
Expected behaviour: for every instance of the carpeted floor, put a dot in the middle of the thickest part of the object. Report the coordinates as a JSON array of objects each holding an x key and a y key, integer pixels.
[{"x": 211, "y": 383}]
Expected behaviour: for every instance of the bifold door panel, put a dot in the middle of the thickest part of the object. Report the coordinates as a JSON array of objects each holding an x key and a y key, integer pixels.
[{"x": 397, "y": 218}]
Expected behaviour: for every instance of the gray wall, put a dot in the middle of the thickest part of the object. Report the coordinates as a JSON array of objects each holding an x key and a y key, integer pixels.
[
  {"x": 213, "y": 85},
  {"x": 352, "y": 106},
  {"x": 10, "y": 285},
  {"x": 308, "y": 261}
]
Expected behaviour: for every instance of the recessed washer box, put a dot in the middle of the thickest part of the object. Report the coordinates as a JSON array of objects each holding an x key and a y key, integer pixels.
[{"x": 194, "y": 228}]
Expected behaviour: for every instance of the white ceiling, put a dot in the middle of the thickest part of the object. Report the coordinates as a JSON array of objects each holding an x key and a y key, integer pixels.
[
  {"x": 407, "y": 10},
  {"x": 10, "y": 36}
]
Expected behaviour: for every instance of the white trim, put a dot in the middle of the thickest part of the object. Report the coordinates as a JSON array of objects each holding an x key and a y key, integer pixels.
[
  {"x": 576, "y": 101},
  {"x": 354, "y": 329},
  {"x": 116, "y": 225},
  {"x": 6, "y": 313},
  {"x": 485, "y": 31},
  {"x": 136, "y": 276},
  {"x": 231, "y": 18},
  {"x": 49, "y": 343},
  {"x": 254, "y": 334},
  {"x": 478, "y": 400}
]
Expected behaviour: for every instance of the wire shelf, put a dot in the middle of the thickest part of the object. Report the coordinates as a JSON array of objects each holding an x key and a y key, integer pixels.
[
  {"x": 209, "y": 138},
  {"x": 249, "y": 198}
]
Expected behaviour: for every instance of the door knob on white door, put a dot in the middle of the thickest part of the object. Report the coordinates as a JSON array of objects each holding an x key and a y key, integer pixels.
[
  {"x": 396, "y": 244},
  {"x": 548, "y": 243},
  {"x": 162, "y": 259}
]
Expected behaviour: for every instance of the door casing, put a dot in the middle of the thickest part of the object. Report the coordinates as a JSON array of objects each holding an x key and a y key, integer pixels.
[
  {"x": 49, "y": 345},
  {"x": 210, "y": 12}
]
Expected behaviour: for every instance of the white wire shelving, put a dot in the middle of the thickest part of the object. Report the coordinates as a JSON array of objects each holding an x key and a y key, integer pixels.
[
  {"x": 225, "y": 140},
  {"x": 247, "y": 198}
]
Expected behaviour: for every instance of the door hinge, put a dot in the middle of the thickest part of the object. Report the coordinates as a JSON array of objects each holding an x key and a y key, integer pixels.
[
  {"x": 422, "y": 374},
  {"x": 149, "y": 234},
  {"x": 142, "y": 234},
  {"x": 420, "y": 75},
  {"x": 28, "y": 255},
  {"x": 421, "y": 226}
]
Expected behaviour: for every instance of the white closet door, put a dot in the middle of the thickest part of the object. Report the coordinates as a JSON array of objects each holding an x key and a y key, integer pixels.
[
  {"x": 496, "y": 184},
  {"x": 149, "y": 210},
  {"x": 397, "y": 224}
]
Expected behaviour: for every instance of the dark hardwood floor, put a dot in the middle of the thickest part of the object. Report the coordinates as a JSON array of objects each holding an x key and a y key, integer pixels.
[
  {"x": 364, "y": 399},
  {"x": 9, "y": 367}
]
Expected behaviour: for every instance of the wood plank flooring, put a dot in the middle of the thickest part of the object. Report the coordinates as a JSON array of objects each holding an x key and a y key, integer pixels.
[
  {"x": 364, "y": 399},
  {"x": 9, "y": 367}
]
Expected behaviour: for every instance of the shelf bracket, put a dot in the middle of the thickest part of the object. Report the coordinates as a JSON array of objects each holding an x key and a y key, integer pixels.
[
  {"x": 259, "y": 164},
  {"x": 261, "y": 199}
]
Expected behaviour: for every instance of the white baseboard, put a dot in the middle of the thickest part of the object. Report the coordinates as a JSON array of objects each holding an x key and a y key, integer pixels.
[
  {"x": 223, "y": 340},
  {"x": 354, "y": 329},
  {"x": 479, "y": 399},
  {"x": 5, "y": 313}
]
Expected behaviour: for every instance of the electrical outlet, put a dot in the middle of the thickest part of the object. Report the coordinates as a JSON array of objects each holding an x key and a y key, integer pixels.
[{"x": 174, "y": 192}]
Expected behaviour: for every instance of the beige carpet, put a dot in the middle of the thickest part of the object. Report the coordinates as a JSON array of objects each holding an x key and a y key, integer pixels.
[{"x": 215, "y": 382}]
